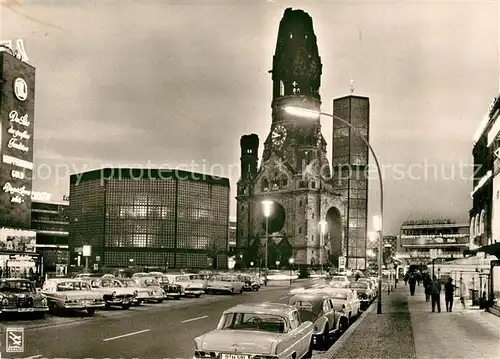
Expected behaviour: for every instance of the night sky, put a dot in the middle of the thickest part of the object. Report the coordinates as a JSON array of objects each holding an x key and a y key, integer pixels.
[{"x": 171, "y": 83}]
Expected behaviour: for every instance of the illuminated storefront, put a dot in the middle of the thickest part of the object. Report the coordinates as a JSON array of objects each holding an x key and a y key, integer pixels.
[
  {"x": 149, "y": 218},
  {"x": 418, "y": 238}
]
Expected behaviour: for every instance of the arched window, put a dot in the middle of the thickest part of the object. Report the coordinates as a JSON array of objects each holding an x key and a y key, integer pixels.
[
  {"x": 284, "y": 181},
  {"x": 275, "y": 184},
  {"x": 264, "y": 185},
  {"x": 476, "y": 225},
  {"x": 472, "y": 228},
  {"x": 481, "y": 221}
]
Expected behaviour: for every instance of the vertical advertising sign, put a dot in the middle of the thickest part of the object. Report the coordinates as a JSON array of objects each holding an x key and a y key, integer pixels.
[{"x": 17, "y": 109}]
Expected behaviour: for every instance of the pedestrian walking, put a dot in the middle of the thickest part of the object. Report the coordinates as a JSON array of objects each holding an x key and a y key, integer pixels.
[
  {"x": 427, "y": 286},
  {"x": 449, "y": 289},
  {"x": 435, "y": 295},
  {"x": 463, "y": 293},
  {"x": 412, "y": 281}
]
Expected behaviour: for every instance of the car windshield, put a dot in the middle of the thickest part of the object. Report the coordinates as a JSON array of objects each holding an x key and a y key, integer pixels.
[
  {"x": 16, "y": 286},
  {"x": 76, "y": 285},
  {"x": 129, "y": 283},
  {"x": 225, "y": 279},
  {"x": 150, "y": 282},
  {"x": 338, "y": 295},
  {"x": 182, "y": 278},
  {"x": 253, "y": 321},
  {"x": 361, "y": 285},
  {"x": 338, "y": 279}
]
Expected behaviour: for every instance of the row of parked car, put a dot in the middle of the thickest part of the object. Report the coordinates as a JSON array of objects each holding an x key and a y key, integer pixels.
[
  {"x": 313, "y": 318},
  {"x": 89, "y": 292}
]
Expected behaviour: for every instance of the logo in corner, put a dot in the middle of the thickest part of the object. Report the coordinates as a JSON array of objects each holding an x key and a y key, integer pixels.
[
  {"x": 20, "y": 89},
  {"x": 14, "y": 338}
]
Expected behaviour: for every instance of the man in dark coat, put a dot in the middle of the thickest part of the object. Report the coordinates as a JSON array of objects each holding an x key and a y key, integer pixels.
[
  {"x": 427, "y": 286},
  {"x": 448, "y": 294},
  {"x": 435, "y": 294},
  {"x": 412, "y": 281}
]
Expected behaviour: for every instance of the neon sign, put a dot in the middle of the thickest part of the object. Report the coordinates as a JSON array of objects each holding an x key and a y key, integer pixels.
[
  {"x": 18, "y": 135},
  {"x": 19, "y": 52},
  {"x": 18, "y": 193}
]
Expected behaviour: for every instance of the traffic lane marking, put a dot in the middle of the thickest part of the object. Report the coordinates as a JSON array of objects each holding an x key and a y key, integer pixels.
[
  {"x": 34, "y": 356},
  {"x": 193, "y": 319},
  {"x": 126, "y": 335}
]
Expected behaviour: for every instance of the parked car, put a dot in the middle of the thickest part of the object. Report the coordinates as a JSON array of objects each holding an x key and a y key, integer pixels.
[
  {"x": 340, "y": 281},
  {"x": 364, "y": 292},
  {"x": 344, "y": 300},
  {"x": 318, "y": 308},
  {"x": 229, "y": 284},
  {"x": 71, "y": 294},
  {"x": 114, "y": 293},
  {"x": 199, "y": 279},
  {"x": 143, "y": 294},
  {"x": 155, "y": 291},
  {"x": 188, "y": 287},
  {"x": 20, "y": 296},
  {"x": 258, "y": 330},
  {"x": 252, "y": 282}
]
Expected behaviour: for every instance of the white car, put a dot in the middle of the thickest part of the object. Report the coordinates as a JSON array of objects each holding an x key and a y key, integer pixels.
[
  {"x": 189, "y": 288},
  {"x": 340, "y": 281},
  {"x": 345, "y": 300},
  {"x": 229, "y": 284}
]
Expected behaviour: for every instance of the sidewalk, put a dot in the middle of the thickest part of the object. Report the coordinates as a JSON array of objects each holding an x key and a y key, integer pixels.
[{"x": 408, "y": 329}]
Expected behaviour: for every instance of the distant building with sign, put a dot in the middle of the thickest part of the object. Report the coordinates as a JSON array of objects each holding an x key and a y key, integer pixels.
[
  {"x": 418, "y": 238},
  {"x": 149, "y": 218},
  {"x": 50, "y": 222},
  {"x": 484, "y": 229},
  {"x": 17, "y": 108}
]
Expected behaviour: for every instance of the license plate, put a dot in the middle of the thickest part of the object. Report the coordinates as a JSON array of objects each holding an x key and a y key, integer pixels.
[
  {"x": 25, "y": 309},
  {"x": 234, "y": 356}
]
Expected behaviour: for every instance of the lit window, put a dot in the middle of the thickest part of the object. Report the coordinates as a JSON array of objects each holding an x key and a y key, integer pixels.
[
  {"x": 291, "y": 36},
  {"x": 282, "y": 88}
]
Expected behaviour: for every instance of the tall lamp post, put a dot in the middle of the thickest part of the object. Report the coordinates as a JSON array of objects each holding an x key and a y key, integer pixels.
[
  {"x": 266, "y": 207},
  {"x": 290, "y": 262},
  {"x": 314, "y": 114},
  {"x": 322, "y": 227}
]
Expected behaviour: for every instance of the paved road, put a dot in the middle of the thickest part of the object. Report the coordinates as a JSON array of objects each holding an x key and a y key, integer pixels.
[{"x": 154, "y": 331}]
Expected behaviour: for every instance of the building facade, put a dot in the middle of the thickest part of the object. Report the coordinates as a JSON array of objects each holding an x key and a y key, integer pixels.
[
  {"x": 350, "y": 164},
  {"x": 485, "y": 195},
  {"x": 149, "y": 218},
  {"x": 232, "y": 236},
  {"x": 419, "y": 239},
  {"x": 17, "y": 108},
  {"x": 294, "y": 172},
  {"x": 50, "y": 222}
]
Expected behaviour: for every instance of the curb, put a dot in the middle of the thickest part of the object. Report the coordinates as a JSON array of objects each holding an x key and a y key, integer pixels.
[{"x": 345, "y": 337}]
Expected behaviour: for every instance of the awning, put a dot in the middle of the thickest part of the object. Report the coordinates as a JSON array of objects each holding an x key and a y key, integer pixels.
[{"x": 493, "y": 249}]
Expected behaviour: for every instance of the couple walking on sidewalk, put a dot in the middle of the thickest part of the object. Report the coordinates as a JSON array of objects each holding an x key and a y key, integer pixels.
[{"x": 449, "y": 291}]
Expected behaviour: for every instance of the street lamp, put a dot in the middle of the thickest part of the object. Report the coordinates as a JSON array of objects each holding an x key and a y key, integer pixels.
[
  {"x": 313, "y": 114},
  {"x": 322, "y": 227},
  {"x": 266, "y": 207},
  {"x": 290, "y": 262}
]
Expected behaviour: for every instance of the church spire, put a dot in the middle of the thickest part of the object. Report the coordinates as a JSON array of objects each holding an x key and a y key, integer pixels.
[{"x": 296, "y": 63}]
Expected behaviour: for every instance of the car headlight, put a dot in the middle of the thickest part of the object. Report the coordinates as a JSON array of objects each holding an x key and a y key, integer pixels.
[
  {"x": 44, "y": 302},
  {"x": 113, "y": 294},
  {"x": 136, "y": 293},
  {"x": 5, "y": 301}
]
